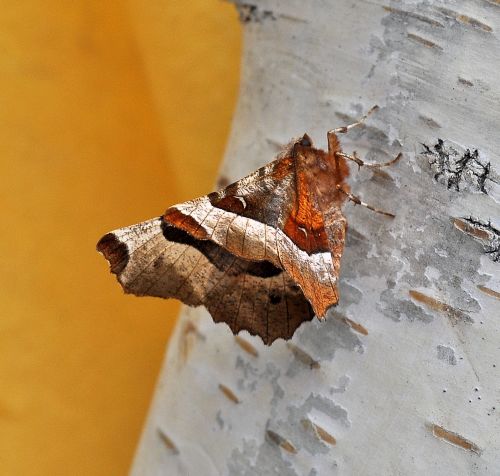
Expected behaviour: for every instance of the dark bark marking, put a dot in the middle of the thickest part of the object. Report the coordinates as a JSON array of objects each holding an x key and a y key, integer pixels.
[{"x": 457, "y": 170}]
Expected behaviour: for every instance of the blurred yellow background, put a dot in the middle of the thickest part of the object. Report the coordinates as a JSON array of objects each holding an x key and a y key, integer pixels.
[{"x": 109, "y": 112}]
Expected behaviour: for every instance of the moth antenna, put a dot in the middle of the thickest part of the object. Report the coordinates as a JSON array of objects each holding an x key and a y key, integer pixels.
[
  {"x": 373, "y": 165},
  {"x": 344, "y": 129},
  {"x": 358, "y": 201}
]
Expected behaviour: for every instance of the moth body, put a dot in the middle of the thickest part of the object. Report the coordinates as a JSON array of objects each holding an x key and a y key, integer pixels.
[{"x": 261, "y": 254}]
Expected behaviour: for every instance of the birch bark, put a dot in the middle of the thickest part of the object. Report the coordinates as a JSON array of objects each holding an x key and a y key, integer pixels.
[{"x": 404, "y": 375}]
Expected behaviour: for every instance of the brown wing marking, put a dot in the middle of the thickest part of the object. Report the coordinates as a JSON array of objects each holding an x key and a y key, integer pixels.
[{"x": 186, "y": 222}]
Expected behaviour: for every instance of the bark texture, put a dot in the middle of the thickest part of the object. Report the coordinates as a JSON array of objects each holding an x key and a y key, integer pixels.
[{"x": 403, "y": 377}]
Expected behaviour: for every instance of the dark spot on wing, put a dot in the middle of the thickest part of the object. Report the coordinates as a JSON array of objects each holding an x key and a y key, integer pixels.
[{"x": 274, "y": 298}]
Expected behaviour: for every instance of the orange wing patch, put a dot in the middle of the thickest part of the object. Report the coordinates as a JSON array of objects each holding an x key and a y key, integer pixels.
[{"x": 305, "y": 225}]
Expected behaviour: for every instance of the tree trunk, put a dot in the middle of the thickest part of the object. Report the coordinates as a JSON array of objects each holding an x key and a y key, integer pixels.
[{"x": 403, "y": 377}]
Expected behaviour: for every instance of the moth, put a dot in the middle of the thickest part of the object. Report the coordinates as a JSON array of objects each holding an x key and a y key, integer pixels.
[{"x": 262, "y": 254}]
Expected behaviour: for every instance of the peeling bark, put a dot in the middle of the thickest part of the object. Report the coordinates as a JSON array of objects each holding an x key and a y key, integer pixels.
[{"x": 403, "y": 377}]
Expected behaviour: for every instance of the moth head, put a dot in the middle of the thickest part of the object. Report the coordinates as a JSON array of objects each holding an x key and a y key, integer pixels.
[
  {"x": 305, "y": 141},
  {"x": 295, "y": 147},
  {"x": 298, "y": 145}
]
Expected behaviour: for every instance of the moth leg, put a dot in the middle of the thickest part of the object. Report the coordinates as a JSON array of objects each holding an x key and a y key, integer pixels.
[
  {"x": 344, "y": 129},
  {"x": 374, "y": 165},
  {"x": 333, "y": 141},
  {"x": 358, "y": 201}
]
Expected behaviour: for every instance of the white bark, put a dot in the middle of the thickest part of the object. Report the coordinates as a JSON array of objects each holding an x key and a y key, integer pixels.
[{"x": 418, "y": 392}]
